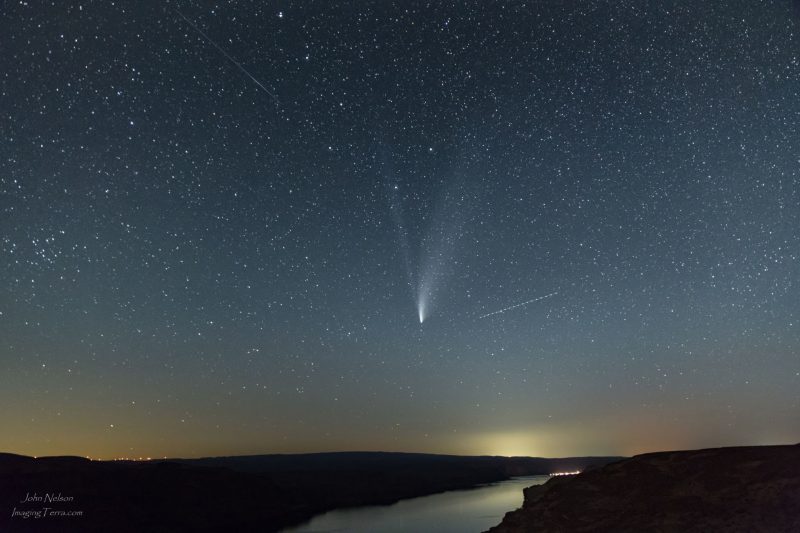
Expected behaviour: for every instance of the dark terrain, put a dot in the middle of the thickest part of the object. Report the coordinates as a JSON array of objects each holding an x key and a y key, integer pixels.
[
  {"x": 747, "y": 489},
  {"x": 248, "y": 493}
]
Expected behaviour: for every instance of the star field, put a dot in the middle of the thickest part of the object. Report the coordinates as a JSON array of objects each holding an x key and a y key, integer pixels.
[{"x": 220, "y": 222}]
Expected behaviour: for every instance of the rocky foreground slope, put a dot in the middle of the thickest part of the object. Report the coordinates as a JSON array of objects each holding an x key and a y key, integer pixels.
[{"x": 725, "y": 489}]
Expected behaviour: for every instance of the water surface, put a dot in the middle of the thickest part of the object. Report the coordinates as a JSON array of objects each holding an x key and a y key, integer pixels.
[{"x": 457, "y": 511}]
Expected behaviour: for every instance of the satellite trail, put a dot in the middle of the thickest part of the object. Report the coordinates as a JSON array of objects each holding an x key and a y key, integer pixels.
[
  {"x": 232, "y": 60},
  {"x": 518, "y": 305}
]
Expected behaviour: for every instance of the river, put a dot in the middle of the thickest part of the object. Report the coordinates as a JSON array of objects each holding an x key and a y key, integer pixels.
[{"x": 456, "y": 511}]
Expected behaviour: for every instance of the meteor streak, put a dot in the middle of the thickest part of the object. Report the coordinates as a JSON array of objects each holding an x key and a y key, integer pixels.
[
  {"x": 518, "y": 305},
  {"x": 232, "y": 60}
]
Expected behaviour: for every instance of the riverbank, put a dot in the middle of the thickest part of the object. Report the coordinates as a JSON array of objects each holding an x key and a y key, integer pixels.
[{"x": 752, "y": 489}]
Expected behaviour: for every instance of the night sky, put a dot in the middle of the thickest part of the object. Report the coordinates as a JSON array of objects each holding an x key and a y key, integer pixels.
[{"x": 257, "y": 227}]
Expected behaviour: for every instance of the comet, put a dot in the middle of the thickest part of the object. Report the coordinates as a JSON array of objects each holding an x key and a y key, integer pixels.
[
  {"x": 424, "y": 298},
  {"x": 518, "y": 305}
]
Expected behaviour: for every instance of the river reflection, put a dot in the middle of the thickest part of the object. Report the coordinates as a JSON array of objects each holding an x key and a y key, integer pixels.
[{"x": 458, "y": 511}]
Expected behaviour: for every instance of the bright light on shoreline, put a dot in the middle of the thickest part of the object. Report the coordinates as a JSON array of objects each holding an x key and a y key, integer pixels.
[{"x": 566, "y": 473}]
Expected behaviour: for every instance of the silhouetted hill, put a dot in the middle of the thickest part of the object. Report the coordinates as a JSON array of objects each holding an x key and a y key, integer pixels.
[
  {"x": 337, "y": 461},
  {"x": 747, "y": 489},
  {"x": 247, "y": 493}
]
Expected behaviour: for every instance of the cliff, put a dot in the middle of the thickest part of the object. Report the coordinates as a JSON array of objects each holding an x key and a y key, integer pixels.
[{"x": 725, "y": 489}]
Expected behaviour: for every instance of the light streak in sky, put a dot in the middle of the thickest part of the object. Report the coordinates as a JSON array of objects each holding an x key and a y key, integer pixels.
[
  {"x": 518, "y": 305},
  {"x": 232, "y": 60}
]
